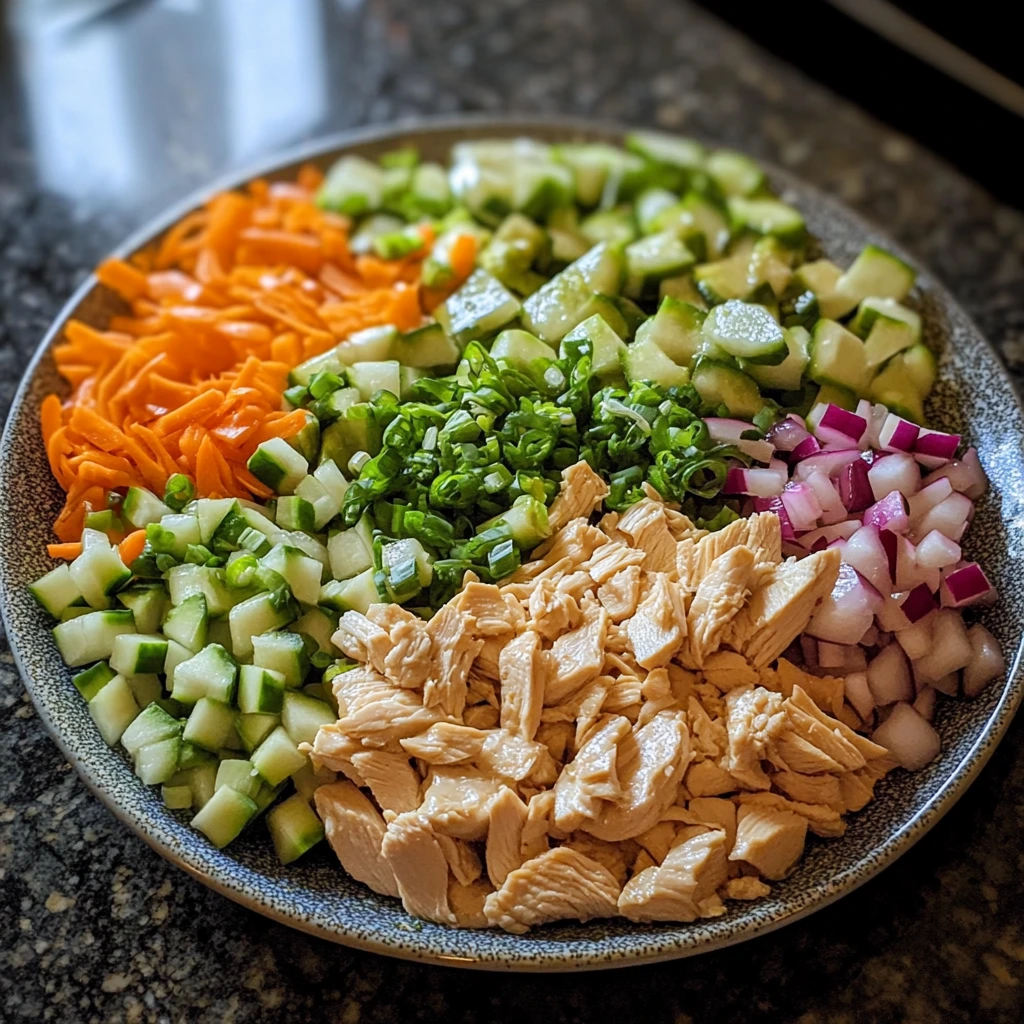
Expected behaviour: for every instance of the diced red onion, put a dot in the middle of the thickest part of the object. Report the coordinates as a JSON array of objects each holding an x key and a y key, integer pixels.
[
  {"x": 948, "y": 684},
  {"x": 897, "y": 434},
  {"x": 835, "y": 425},
  {"x": 858, "y": 693},
  {"x": 950, "y": 517},
  {"x": 870, "y": 638},
  {"x": 933, "y": 448},
  {"x": 918, "y": 603},
  {"x": 730, "y": 431},
  {"x": 896, "y": 472},
  {"x": 889, "y": 676},
  {"x": 916, "y": 640},
  {"x": 965, "y": 475},
  {"x": 888, "y": 541},
  {"x": 908, "y": 573},
  {"x": 908, "y": 737},
  {"x": 987, "y": 662},
  {"x": 876, "y": 416},
  {"x": 890, "y": 513},
  {"x": 775, "y": 505},
  {"x": 950, "y": 649},
  {"x": 928, "y": 497},
  {"x": 844, "y": 657},
  {"x": 924, "y": 703},
  {"x": 937, "y": 551},
  {"x": 829, "y": 463},
  {"x": 891, "y": 617},
  {"x": 826, "y": 534},
  {"x": 759, "y": 483},
  {"x": 848, "y": 612},
  {"x": 809, "y": 648},
  {"x": 964, "y": 586},
  {"x": 787, "y": 433},
  {"x": 832, "y": 508},
  {"x": 865, "y": 553},
  {"x": 802, "y": 505},
  {"x": 805, "y": 449},
  {"x": 854, "y": 488}
]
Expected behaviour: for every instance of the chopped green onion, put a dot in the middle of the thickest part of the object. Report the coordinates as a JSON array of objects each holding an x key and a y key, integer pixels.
[{"x": 178, "y": 492}]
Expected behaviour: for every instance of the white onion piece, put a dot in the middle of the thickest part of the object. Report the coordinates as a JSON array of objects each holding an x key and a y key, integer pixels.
[
  {"x": 858, "y": 693},
  {"x": 889, "y": 676},
  {"x": 987, "y": 661},
  {"x": 927, "y": 498},
  {"x": 924, "y": 704},
  {"x": 848, "y": 612},
  {"x": 809, "y": 649},
  {"x": 910, "y": 575},
  {"x": 949, "y": 684},
  {"x": 966, "y": 475},
  {"x": 865, "y": 553},
  {"x": 847, "y": 658},
  {"x": 898, "y": 472},
  {"x": 891, "y": 618},
  {"x": 937, "y": 551},
  {"x": 870, "y": 638},
  {"x": 950, "y": 649},
  {"x": 802, "y": 505},
  {"x": 949, "y": 517},
  {"x": 825, "y": 535},
  {"x": 916, "y": 640},
  {"x": 908, "y": 737}
]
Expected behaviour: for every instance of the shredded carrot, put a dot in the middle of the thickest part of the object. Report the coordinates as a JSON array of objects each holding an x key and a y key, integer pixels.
[
  {"x": 67, "y": 551},
  {"x": 190, "y": 380},
  {"x": 131, "y": 547}
]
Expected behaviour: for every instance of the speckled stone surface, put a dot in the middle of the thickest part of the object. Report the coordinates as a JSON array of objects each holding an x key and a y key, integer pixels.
[{"x": 94, "y": 926}]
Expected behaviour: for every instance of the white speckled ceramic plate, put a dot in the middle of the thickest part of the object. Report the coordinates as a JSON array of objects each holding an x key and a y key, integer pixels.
[{"x": 974, "y": 397}]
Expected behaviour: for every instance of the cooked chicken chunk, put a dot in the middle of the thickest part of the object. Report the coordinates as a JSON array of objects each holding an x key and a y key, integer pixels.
[
  {"x": 708, "y": 779},
  {"x": 808, "y": 789},
  {"x": 718, "y": 814},
  {"x": 581, "y": 493},
  {"x": 539, "y": 811},
  {"x": 332, "y": 749},
  {"x": 521, "y": 667},
  {"x": 755, "y": 717},
  {"x": 407, "y": 663},
  {"x": 552, "y": 611},
  {"x": 718, "y": 600},
  {"x": 621, "y": 593},
  {"x": 726, "y": 670},
  {"x": 456, "y": 802},
  {"x": 745, "y": 888},
  {"x": 658, "y": 628},
  {"x": 455, "y": 648},
  {"x": 467, "y": 903},
  {"x": 390, "y": 778},
  {"x": 683, "y": 887},
  {"x": 355, "y": 830},
  {"x": 610, "y": 559},
  {"x": 380, "y": 714},
  {"x": 577, "y": 656},
  {"x": 462, "y": 859},
  {"x": 553, "y": 886},
  {"x": 769, "y": 840},
  {"x": 577, "y": 541},
  {"x": 484, "y": 606},
  {"x": 646, "y": 526},
  {"x": 505, "y": 835},
  {"x": 420, "y": 868},
  {"x": 507, "y": 755},
  {"x": 591, "y": 777},
  {"x": 445, "y": 743},
  {"x": 615, "y": 857},
  {"x": 362, "y": 640}
]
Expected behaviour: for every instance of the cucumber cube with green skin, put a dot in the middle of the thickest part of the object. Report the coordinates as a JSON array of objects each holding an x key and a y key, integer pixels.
[
  {"x": 597, "y": 165},
  {"x": 295, "y": 513},
  {"x": 921, "y": 368},
  {"x": 151, "y": 726},
  {"x": 675, "y": 329},
  {"x": 282, "y": 653},
  {"x": 683, "y": 289},
  {"x": 351, "y": 551},
  {"x": 141, "y": 507},
  {"x": 719, "y": 384},
  {"x": 894, "y": 388},
  {"x": 308, "y": 780},
  {"x": 201, "y": 780},
  {"x": 355, "y": 594},
  {"x": 302, "y": 716},
  {"x": 745, "y": 331},
  {"x": 210, "y": 673},
  {"x": 156, "y": 762},
  {"x": 886, "y": 337},
  {"x": 653, "y": 258},
  {"x": 294, "y": 828},
  {"x": 260, "y": 690},
  {"x": 769, "y": 217},
  {"x": 224, "y": 815},
  {"x": 74, "y": 611},
  {"x": 770, "y": 264},
  {"x": 519, "y": 349},
  {"x": 56, "y": 591},
  {"x": 836, "y": 394},
  {"x": 482, "y": 306},
  {"x": 90, "y": 681},
  {"x": 822, "y": 277},
  {"x": 319, "y": 627},
  {"x": 426, "y": 347},
  {"x": 185, "y": 581},
  {"x": 876, "y": 273},
  {"x": 176, "y": 798},
  {"x": 300, "y": 572},
  {"x": 257, "y": 615},
  {"x": 644, "y": 360},
  {"x": 174, "y": 533},
  {"x": 557, "y": 307},
  {"x": 211, "y": 725},
  {"x": 192, "y": 756},
  {"x": 147, "y": 689},
  {"x": 188, "y": 623},
  {"x": 788, "y": 374},
  {"x": 98, "y": 573},
  {"x": 872, "y": 308},
  {"x": 138, "y": 653},
  {"x": 353, "y": 185},
  {"x": 734, "y": 173},
  {"x": 837, "y": 357},
  {"x": 90, "y": 637},
  {"x": 301, "y": 375},
  {"x": 277, "y": 757},
  {"x": 674, "y": 150},
  {"x": 370, "y": 377},
  {"x": 650, "y": 205},
  {"x": 617, "y": 226},
  {"x": 278, "y": 465},
  {"x": 723, "y": 280},
  {"x": 113, "y": 709},
  {"x": 211, "y": 512},
  {"x": 148, "y": 602},
  {"x": 606, "y": 346},
  {"x": 253, "y": 729},
  {"x": 372, "y": 344},
  {"x": 239, "y": 774},
  {"x": 176, "y": 655}
]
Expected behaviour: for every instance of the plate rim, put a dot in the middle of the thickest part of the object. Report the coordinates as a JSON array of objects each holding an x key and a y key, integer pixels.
[{"x": 958, "y": 781}]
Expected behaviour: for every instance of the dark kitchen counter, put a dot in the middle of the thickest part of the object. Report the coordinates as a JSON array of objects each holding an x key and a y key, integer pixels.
[{"x": 132, "y": 111}]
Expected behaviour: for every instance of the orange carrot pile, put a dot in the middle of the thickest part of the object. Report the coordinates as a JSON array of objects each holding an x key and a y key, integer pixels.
[{"x": 190, "y": 380}]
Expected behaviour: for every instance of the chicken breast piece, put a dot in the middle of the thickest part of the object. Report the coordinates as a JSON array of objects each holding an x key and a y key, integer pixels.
[
  {"x": 420, "y": 868},
  {"x": 462, "y": 859},
  {"x": 391, "y": 779},
  {"x": 716, "y": 813},
  {"x": 720, "y": 596},
  {"x": 539, "y": 811},
  {"x": 552, "y": 610},
  {"x": 683, "y": 887},
  {"x": 333, "y": 749},
  {"x": 770, "y": 840},
  {"x": 577, "y": 656},
  {"x": 808, "y": 789},
  {"x": 621, "y": 593},
  {"x": 382, "y": 715},
  {"x": 521, "y": 667},
  {"x": 455, "y": 649},
  {"x": 726, "y": 670},
  {"x": 779, "y": 610},
  {"x": 484, "y": 606},
  {"x": 560, "y": 884},
  {"x": 355, "y": 831},
  {"x": 611, "y": 559},
  {"x": 505, "y": 835},
  {"x": 745, "y": 888},
  {"x": 577, "y": 541},
  {"x": 755, "y": 717},
  {"x": 760, "y": 532},
  {"x": 506, "y": 755},
  {"x": 456, "y": 802},
  {"x": 650, "y": 765},
  {"x": 658, "y": 628},
  {"x": 646, "y": 526},
  {"x": 408, "y": 661},
  {"x": 581, "y": 493},
  {"x": 445, "y": 743},
  {"x": 362, "y": 640},
  {"x": 590, "y": 778},
  {"x": 467, "y": 903},
  {"x": 821, "y": 820},
  {"x": 708, "y": 779}
]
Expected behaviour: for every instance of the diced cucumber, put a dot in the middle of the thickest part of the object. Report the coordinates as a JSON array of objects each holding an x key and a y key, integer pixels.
[
  {"x": 372, "y": 344},
  {"x": 188, "y": 623},
  {"x": 428, "y": 191},
  {"x": 239, "y": 774},
  {"x": 91, "y": 637},
  {"x": 353, "y": 185},
  {"x": 770, "y": 264},
  {"x": 151, "y": 726},
  {"x": 322, "y": 508},
  {"x": 253, "y": 729},
  {"x": 616, "y": 226},
  {"x": 148, "y": 690},
  {"x": 886, "y": 337},
  {"x": 788, "y": 374},
  {"x": 257, "y": 518},
  {"x": 295, "y": 512},
  {"x": 644, "y": 360},
  {"x": 745, "y": 331},
  {"x": 157, "y": 762},
  {"x": 768, "y": 217},
  {"x": 369, "y": 378},
  {"x": 306, "y": 440},
  {"x": 652, "y": 259},
  {"x": 872, "y": 308},
  {"x": 921, "y": 368},
  {"x": 294, "y": 828},
  {"x": 895, "y": 388},
  {"x": 113, "y": 709},
  {"x": 283, "y": 653},
  {"x": 675, "y": 329},
  {"x": 426, "y": 347},
  {"x": 175, "y": 533},
  {"x": 201, "y": 778},
  {"x": 148, "y": 603},
  {"x": 876, "y": 273},
  {"x": 176, "y": 798},
  {"x": 302, "y": 716},
  {"x": 185, "y": 581},
  {"x": 90, "y": 681},
  {"x": 319, "y": 627},
  {"x": 527, "y": 519},
  {"x": 211, "y": 512},
  {"x": 675, "y": 150},
  {"x": 135, "y": 653},
  {"x": 307, "y": 780},
  {"x": 305, "y": 372},
  {"x": 837, "y": 357},
  {"x": 351, "y": 551},
  {"x": 517, "y": 245},
  {"x": 300, "y": 572},
  {"x": 553, "y": 310},
  {"x": 407, "y": 568},
  {"x": 190, "y": 756},
  {"x": 278, "y": 465},
  {"x": 74, "y": 611},
  {"x": 98, "y": 572},
  {"x": 277, "y": 757},
  {"x": 520, "y": 348},
  {"x": 607, "y": 347},
  {"x": 724, "y": 280},
  {"x": 57, "y": 590},
  {"x": 596, "y": 166},
  {"x": 258, "y": 615},
  {"x": 719, "y": 384},
  {"x": 224, "y": 815},
  {"x": 211, "y": 724},
  {"x": 697, "y": 213},
  {"x": 210, "y": 673},
  {"x": 355, "y": 594},
  {"x": 836, "y": 394},
  {"x": 734, "y": 173},
  {"x": 141, "y": 507},
  {"x": 260, "y": 690},
  {"x": 822, "y": 277},
  {"x": 482, "y": 306},
  {"x": 622, "y": 315},
  {"x": 650, "y": 205},
  {"x": 176, "y": 654},
  {"x": 683, "y": 289}
]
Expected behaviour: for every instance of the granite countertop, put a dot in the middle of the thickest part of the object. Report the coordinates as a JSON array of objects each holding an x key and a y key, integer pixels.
[{"x": 94, "y": 926}]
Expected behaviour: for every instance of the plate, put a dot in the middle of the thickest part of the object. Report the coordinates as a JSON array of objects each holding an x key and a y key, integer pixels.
[{"x": 974, "y": 396}]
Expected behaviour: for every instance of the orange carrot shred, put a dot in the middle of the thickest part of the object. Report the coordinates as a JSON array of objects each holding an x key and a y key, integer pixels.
[{"x": 131, "y": 547}]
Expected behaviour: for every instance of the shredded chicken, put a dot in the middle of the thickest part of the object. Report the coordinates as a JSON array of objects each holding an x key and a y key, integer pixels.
[{"x": 581, "y": 493}]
